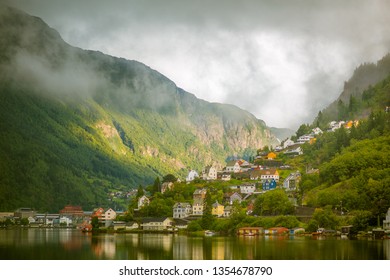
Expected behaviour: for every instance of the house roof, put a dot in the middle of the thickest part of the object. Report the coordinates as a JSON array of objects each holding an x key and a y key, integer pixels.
[
  {"x": 182, "y": 204},
  {"x": 231, "y": 163},
  {"x": 200, "y": 191},
  {"x": 216, "y": 204},
  {"x": 154, "y": 220}
]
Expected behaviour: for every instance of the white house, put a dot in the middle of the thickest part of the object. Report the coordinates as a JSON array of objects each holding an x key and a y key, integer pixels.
[
  {"x": 209, "y": 173},
  {"x": 288, "y": 143},
  {"x": 226, "y": 177},
  {"x": 317, "y": 131},
  {"x": 65, "y": 221},
  {"x": 192, "y": 175},
  {"x": 109, "y": 215},
  {"x": 181, "y": 210},
  {"x": 233, "y": 166},
  {"x": 278, "y": 148},
  {"x": 305, "y": 138},
  {"x": 157, "y": 224},
  {"x": 125, "y": 226},
  {"x": 294, "y": 151},
  {"x": 248, "y": 188},
  {"x": 269, "y": 174}
]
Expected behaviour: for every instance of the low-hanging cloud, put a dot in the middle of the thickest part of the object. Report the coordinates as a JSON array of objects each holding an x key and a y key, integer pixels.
[
  {"x": 281, "y": 60},
  {"x": 69, "y": 80}
]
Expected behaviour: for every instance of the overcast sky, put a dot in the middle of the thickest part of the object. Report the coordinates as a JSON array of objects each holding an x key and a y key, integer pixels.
[{"x": 282, "y": 60}]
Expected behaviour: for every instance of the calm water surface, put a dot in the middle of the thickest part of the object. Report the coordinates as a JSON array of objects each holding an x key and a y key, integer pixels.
[{"x": 67, "y": 244}]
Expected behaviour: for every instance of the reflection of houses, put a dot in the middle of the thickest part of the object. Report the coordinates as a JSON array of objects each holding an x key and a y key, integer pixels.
[
  {"x": 386, "y": 223},
  {"x": 143, "y": 201},
  {"x": 157, "y": 224},
  {"x": 217, "y": 209},
  {"x": 292, "y": 180},
  {"x": 181, "y": 210}
]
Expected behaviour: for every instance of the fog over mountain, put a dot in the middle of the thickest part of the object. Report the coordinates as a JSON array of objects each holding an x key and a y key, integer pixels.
[
  {"x": 281, "y": 60},
  {"x": 75, "y": 123}
]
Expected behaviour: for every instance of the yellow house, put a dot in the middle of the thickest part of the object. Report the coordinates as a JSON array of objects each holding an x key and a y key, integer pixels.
[
  {"x": 271, "y": 155},
  {"x": 218, "y": 209}
]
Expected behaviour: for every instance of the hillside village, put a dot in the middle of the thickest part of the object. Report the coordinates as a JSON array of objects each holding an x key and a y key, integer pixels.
[{"x": 244, "y": 181}]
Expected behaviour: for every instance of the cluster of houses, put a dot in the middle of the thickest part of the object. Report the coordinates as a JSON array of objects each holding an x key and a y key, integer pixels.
[
  {"x": 236, "y": 168},
  {"x": 69, "y": 216},
  {"x": 266, "y": 180}
]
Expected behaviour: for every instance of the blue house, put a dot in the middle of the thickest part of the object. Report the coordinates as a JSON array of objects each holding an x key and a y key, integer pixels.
[{"x": 269, "y": 185}]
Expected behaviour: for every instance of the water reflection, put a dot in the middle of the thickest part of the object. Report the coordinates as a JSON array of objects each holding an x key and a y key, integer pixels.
[{"x": 72, "y": 244}]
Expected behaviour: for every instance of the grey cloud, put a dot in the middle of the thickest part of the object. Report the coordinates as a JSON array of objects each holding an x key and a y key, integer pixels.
[{"x": 268, "y": 57}]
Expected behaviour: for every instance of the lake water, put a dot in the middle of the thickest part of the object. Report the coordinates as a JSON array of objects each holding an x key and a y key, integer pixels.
[{"x": 69, "y": 244}]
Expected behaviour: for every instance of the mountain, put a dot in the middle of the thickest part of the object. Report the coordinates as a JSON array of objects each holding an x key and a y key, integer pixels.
[
  {"x": 78, "y": 124},
  {"x": 353, "y": 161},
  {"x": 282, "y": 133},
  {"x": 363, "y": 92}
]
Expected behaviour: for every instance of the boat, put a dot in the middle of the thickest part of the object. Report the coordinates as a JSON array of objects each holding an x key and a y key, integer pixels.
[
  {"x": 319, "y": 231},
  {"x": 209, "y": 233}
]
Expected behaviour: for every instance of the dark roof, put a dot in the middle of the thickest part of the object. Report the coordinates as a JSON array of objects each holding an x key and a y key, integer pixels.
[{"x": 152, "y": 219}]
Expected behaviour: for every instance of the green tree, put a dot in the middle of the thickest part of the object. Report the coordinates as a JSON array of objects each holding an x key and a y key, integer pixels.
[
  {"x": 208, "y": 219},
  {"x": 95, "y": 222},
  {"x": 140, "y": 191},
  {"x": 325, "y": 218},
  {"x": 273, "y": 202},
  {"x": 169, "y": 178},
  {"x": 361, "y": 220},
  {"x": 24, "y": 221}
]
